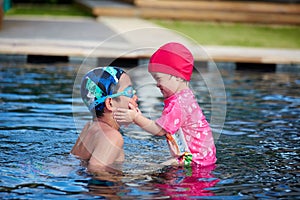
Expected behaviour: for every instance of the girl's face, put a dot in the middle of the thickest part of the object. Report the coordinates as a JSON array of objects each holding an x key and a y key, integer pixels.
[{"x": 167, "y": 84}]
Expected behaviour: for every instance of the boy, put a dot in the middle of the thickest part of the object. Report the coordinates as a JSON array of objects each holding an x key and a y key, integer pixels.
[{"x": 100, "y": 144}]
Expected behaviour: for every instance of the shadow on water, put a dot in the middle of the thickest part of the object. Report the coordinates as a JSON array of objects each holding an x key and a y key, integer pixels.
[{"x": 258, "y": 151}]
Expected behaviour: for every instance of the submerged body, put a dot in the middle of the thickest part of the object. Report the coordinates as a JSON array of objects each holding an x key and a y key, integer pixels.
[{"x": 99, "y": 147}]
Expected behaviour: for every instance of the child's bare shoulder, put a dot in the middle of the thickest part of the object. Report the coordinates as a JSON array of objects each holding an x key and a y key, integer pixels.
[{"x": 110, "y": 136}]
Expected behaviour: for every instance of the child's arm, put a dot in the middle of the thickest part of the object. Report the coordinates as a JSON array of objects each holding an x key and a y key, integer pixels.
[{"x": 134, "y": 115}]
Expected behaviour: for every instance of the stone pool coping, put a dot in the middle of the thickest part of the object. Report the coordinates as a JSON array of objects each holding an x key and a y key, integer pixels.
[{"x": 116, "y": 37}]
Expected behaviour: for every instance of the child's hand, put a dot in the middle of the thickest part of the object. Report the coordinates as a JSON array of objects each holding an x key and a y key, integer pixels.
[{"x": 124, "y": 115}]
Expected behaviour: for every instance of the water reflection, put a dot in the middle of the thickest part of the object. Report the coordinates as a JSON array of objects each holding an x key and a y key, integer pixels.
[{"x": 182, "y": 183}]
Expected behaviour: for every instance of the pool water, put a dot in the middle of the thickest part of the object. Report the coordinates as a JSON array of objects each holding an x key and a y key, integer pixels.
[{"x": 258, "y": 150}]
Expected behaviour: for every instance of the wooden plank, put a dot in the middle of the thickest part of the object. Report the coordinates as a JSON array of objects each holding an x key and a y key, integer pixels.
[
  {"x": 123, "y": 12},
  {"x": 108, "y": 8},
  {"x": 220, "y": 16},
  {"x": 246, "y": 6},
  {"x": 208, "y": 10}
]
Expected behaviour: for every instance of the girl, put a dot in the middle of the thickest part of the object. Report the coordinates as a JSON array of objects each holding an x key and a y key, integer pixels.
[{"x": 182, "y": 122}]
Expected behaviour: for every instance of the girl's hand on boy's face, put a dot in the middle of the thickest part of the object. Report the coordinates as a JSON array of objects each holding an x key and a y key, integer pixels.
[
  {"x": 133, "y": 101},
  {"x": 123, "y": 115}
]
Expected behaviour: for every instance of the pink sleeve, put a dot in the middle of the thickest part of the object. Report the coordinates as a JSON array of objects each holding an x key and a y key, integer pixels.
[{"x": 170, "y": 120}]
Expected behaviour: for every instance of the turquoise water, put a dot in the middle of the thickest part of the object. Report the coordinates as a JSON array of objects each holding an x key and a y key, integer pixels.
[{"x": 258, "y": 150}]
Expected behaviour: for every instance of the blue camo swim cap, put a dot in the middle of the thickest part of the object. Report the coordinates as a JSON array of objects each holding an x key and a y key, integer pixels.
[{"x": 97, "y": 84}]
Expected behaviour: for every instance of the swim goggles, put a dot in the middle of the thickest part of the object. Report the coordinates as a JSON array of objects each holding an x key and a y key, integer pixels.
[{"x": 97, "y": 92}]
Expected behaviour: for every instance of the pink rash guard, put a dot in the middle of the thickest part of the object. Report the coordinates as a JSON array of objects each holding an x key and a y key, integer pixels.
[{"x": 189, "y": 132}]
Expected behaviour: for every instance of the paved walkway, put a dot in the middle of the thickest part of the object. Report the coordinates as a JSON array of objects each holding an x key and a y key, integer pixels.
[{"x": 116, "y": 37}]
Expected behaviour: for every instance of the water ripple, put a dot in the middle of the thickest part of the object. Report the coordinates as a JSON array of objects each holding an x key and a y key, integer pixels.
[{"x": 258, "y": 150}]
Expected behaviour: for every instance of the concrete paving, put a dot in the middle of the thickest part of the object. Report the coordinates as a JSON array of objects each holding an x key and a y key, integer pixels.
[{"x": 114, "y": 38}]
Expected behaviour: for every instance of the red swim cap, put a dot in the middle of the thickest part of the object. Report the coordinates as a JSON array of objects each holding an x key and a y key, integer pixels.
[{"x": 174, "y": 59}]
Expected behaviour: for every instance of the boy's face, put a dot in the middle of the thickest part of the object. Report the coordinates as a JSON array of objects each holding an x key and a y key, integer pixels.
[
  {"x": 167, "y": 84},
  {"x": 123, "y": 101}
]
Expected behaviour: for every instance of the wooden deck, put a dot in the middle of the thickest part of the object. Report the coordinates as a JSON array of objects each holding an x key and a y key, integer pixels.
[
  {"x": 109, "y": 8},
  {"x": 200, "y": 10}
]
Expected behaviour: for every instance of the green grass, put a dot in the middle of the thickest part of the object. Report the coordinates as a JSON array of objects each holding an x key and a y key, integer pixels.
[
  {"x": 233, "y": 34},
  {"x": 46, "y": 10}
]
